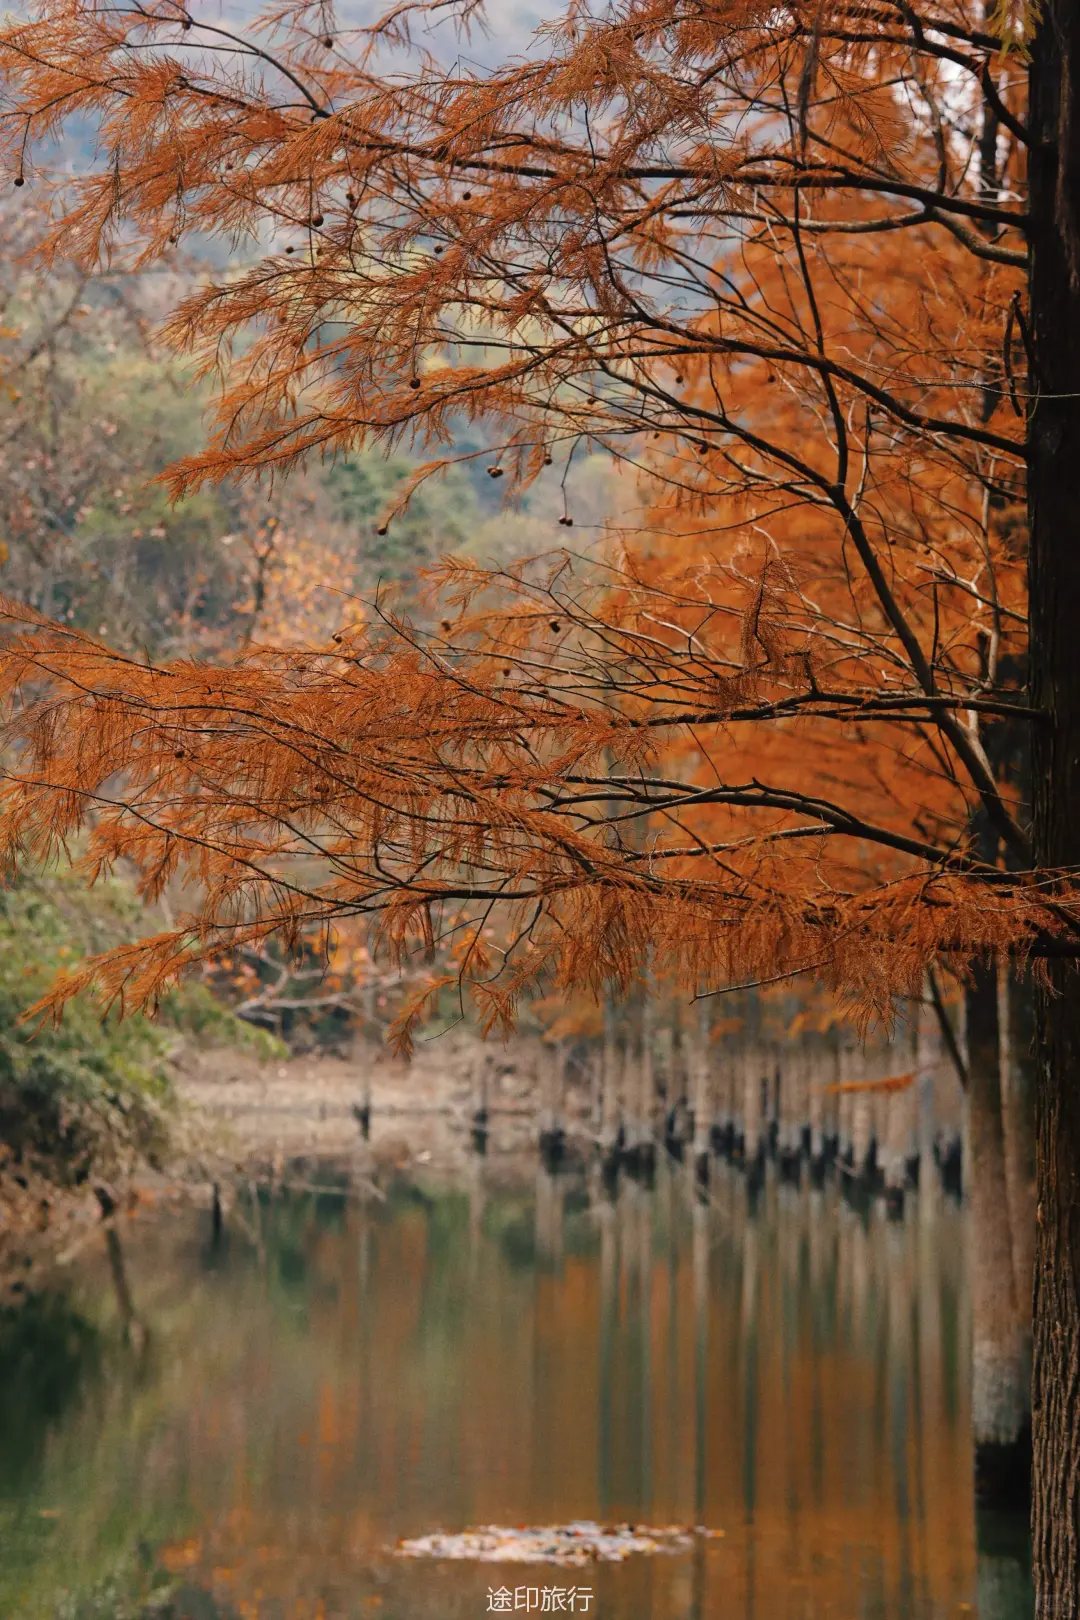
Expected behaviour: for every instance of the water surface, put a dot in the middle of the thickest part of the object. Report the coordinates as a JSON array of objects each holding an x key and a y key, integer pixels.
[{"x": 340, "y": 1372}]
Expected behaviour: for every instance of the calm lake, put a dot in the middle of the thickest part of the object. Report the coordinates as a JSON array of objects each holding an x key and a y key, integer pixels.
[{"x": 338, "y": 1372}]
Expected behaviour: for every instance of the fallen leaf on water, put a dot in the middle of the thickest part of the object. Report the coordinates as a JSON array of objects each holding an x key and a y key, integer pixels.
[{"x": 582, "y": 1542}]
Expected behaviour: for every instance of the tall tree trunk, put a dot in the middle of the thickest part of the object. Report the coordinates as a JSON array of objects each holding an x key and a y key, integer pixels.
[
  {"x": 1054, "y": 456},
  {"x": 1018, "y": 1127},
  {"x": 1000, "y": 1386}
]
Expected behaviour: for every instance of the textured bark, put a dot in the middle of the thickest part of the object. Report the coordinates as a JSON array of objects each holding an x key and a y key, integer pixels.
[
  {"x": 1054, "y": 457},
  {"x": 1000, "y": 1385}
]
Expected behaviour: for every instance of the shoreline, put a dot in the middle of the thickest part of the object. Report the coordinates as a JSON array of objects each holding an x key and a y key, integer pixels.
[{"x": 240, "y": 1118}]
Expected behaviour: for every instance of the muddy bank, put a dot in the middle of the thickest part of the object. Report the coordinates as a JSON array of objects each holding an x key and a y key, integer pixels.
[
  {"x": 252, "y": 1116},
  {"x": 238, "y": 1118}
]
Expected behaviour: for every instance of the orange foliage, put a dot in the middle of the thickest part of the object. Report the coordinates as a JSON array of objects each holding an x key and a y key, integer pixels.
[{"x": 771, "y": 262}]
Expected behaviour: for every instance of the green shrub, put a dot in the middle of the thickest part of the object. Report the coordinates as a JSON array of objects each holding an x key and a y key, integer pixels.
[{"x": 90, "y": 1095}]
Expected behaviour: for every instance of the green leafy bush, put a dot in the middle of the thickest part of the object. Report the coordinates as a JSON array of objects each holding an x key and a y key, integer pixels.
[{"x": 90, "y": 1095}]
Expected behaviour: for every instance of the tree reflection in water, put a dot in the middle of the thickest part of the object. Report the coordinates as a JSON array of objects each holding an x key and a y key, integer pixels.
[{"x": 340, "y": 1373}]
